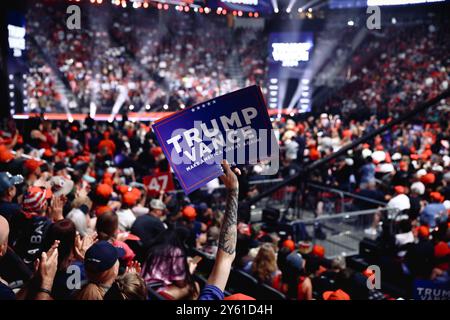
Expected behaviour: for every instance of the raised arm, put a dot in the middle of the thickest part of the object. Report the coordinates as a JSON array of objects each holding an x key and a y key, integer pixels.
[{"x": 228, "y": 232}]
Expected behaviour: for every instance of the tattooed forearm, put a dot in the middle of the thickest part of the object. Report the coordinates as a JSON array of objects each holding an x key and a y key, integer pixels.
[{"x": 228, "y": 232}]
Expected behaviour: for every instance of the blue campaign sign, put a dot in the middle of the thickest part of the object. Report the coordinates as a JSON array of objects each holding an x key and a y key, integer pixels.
[
  {"x": 431, "y": 290},
  {"x": 235, "y": 126}
]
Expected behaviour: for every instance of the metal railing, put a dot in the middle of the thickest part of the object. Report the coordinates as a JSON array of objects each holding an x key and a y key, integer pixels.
[{"x": 340, "y": 234}]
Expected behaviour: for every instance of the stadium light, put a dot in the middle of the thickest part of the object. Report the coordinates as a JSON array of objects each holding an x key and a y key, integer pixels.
[
  {"x": 147, "y": 107},
  {"x": 256, "y": 15},
  {"x": 131, "y": 107},
  {"x": 290, "y": 5},
  {"x": 182, "y": 106},
  {"x": 350, "y": 23},
  {"x": 275, "y": 6},
  {"x": 165, "y": 107},
  {"x": 124, "y": 4},
  {"x": 273, "y": 80},
  {"x": 224, "y": 11},
  {"x": 394, "y": 21},
  {"x": 145, "y": 5}
]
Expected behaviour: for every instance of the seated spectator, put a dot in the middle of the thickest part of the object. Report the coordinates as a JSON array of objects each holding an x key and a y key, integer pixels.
[
  {"x": 101, "y": 263},
  {"x": 167, "y": 267},
  {"x": 129, "y": 286},
  {"x": 147, "y": 227},
  {"x": 8, "y": 190},
  {"x": 293, "y": 282},
  {"x": 264, "y": 266}
]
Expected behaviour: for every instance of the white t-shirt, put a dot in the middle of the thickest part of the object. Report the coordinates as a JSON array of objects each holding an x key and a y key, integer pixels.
[
  {"x": 126, "y": 219},
  {"x": 403, "y": 238}
]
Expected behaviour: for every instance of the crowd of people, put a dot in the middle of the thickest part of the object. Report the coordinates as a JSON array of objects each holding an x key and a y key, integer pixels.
[
  {"x": 129, "y": 57},
  {"x": 77, "y": 220}
]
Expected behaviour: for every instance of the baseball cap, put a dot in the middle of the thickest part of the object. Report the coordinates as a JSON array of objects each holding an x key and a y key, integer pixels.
[
  {"x": 418, "y": 187},
  {"x": 7, "y": 180},
  {"x": 31, "y": 165},
  {"x": 102, "y": 256},
  {"x": 399, "y": 189},
  {"x": 295, "y": 261},
  {"x": 157, "y": 204},
  {"x": 305, "y": 247},
  {"x": 289, "y": 244},
  {"x": 436, "y": 196},
  {"x": 35, "y": 197},
  {"x": 129, "y": 198},
  {"x": 104, "y": 190},
  {"x": 336, "y": 295},
  {"x": 102, "y": 209},
  {"x": 318, "y": 251},
  {"x": 423, "y": 232},
  {"x": 5, "y": 154},
  {"x": 189, "y": 213},
  {"x": 428, "y": 178},
  {"x": 61, "y": 186}
]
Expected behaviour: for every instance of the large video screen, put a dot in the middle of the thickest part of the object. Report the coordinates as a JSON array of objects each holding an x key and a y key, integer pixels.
[{"x": 289, "y": 53}]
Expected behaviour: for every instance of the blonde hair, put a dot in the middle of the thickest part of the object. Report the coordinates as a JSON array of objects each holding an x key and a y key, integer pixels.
[
  {"x": 94, "y": 289},
  {"x": 265, "y": 263},
  {"x": 130, "y": 286}
]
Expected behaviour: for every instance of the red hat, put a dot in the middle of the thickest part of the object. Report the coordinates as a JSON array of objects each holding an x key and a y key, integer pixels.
[
  {"x": 102, "y": 209},
  {"x": 414, "y": 156},
  {"x": 366, "y": 146},
  {"x": 429, "y": 178},
  {"x": 436, "y": 196},
  {"x": 423, "y": 232},
  {"x": 289, "y": 244},
  {"x": 48, "y": 153},
  {"x": 129, "y": 199},
  {"x": 104, "y": 190},
  {"x": 34, "y": 199},
  {"x": 32, "y": 165},
  {"x": 189, "y": 212},
  {"x": 399, "y": 189},
  {"x": 156, "y": 151},
  {"x": 336, "y": 295},
  {"x": 5, "y": 154},
  {"x": 441, "y": 249},
  {"x": 239, "y": 296},
  {"x": 318, "y": 251},
  {"x": 403, "y": 165}
]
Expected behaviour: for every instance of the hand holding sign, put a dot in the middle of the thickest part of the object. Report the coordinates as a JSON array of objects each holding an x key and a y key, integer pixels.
[
  {"x": 235, "y": 127},
  {"x": 229, "y": 178}
]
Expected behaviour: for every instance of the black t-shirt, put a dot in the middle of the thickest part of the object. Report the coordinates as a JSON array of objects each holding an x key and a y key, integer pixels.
[
  {"x": 29, "y": 233},
  {"x": 6, "y": 292},
  {"x": 9, "y": 210},
  {"x": 147, "y": 228}
]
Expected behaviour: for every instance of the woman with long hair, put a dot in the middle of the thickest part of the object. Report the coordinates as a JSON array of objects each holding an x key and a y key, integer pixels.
[
  {"x": 71, "y": 251},
  {"x": 167, "y": 268},
  {"x": 293, "y": 281},
  {"x": 264, "y": 266}
]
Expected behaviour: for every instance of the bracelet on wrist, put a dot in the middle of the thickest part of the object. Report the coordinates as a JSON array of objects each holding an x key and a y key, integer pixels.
[{"x": 45, "y": 291}]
